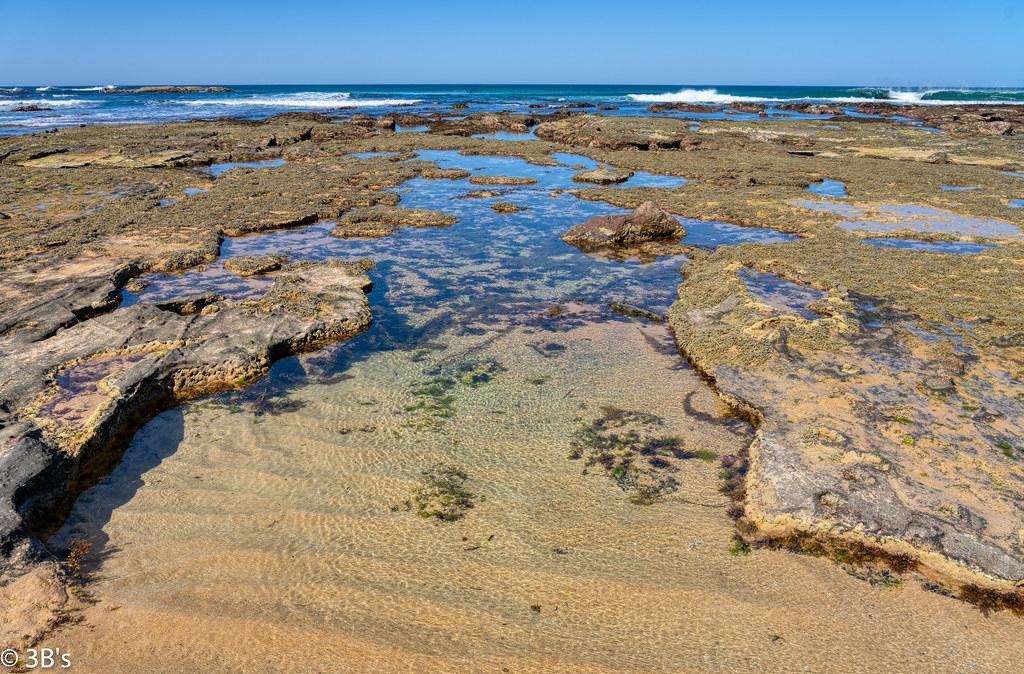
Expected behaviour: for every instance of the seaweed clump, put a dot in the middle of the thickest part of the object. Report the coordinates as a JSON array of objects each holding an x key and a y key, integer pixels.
[
  {"x": 435, "y": 397},
  {"x": 441, "y": 494},
  {"x": 630, "y": 447}
]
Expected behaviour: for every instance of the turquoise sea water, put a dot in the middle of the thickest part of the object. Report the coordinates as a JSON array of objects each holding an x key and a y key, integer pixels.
[{"x": 98, "y": 103}]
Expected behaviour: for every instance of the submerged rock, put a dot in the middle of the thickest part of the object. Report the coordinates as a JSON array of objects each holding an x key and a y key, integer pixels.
[
  {"x": 506, "y": 207},
  {"x": 649, "y": 222},
  {"x": 383, "y": 220}
]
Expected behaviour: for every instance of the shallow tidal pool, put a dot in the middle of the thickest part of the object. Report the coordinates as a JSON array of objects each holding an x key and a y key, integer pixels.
[{"x": 276, "y": 526}]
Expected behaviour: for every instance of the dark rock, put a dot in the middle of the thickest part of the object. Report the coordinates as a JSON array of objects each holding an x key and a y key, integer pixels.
[
  {"x": 649, "y": 222},
  {"x": 617, "y": 133},
  {"x": 169, "y": 90},
  {"x": 680, "y": 107}
]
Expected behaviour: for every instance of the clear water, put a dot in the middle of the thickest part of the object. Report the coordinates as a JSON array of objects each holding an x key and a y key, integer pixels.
[
  {"x": 781, "y": 294},
  {"x": 511, "y": 261},
  {"x": 275, "y": 518},
  {"x": 217, "y": 169},
  {"x": 639, "y": 179},
  {"x": 507, "y": 135},
  {"x": 828, "y": 188},
  {"x": 899, "y": 217},
  {"x": 961, "y": 247},
  {"x": 958, "y": 188},
  {"x": 1017, "y": 203}
]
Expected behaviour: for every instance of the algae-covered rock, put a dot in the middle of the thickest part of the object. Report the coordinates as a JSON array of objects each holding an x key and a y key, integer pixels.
[
  {"x": 502, "y": 180},
  {"x": 603, "y": 176},
  {"x": 383, "y": 220},
  {"x": 254, "y": 265},
  {"x": 506, "y": 207}
]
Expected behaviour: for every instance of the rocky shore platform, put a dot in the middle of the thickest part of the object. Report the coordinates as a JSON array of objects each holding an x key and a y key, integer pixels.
[{"x": 886, "y": 383}]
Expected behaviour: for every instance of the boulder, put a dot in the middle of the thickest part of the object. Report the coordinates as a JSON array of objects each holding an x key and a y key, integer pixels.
[{"x": 649, "y": 222}]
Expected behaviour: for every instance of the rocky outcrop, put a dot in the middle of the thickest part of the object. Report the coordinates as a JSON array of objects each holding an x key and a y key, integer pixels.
[
  {"x": 647, "y": 223},
  {"x": 254, "y": 265},
  {"x": 681, "y": 107},
  {"x": 755, "y": 108},
  {"x": 879, "y": 436},
  {"x": 502, "y": 180},
  {"x": 618, "y": 133},
  {"x": 485, "y": 122},
  {"x": 604, "y": 175},
  {"x": 167, "y": 89},
  {"x": 69, "y": 402},
  {"x": 813, "y": 108}
]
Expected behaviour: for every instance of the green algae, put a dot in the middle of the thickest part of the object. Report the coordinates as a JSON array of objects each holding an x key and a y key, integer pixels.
[{"x": 441, "y": 494}]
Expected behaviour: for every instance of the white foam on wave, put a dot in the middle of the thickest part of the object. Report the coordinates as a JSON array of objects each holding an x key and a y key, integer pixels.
[
  {"x": 310, "y": 99},
  {"x": 713, "y": 97},
  {"x": 105, "y": 87},
  {"x": 903, "y": 96},
  {"x": 707, "y": 96},
  {"x": 43, "y": 88},
  {"x": 45, "y": 103}
]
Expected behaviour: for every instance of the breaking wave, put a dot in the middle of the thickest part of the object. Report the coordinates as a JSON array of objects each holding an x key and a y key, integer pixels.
[
  {"x": 919, "y": 96},
  {"x": 709, "y": 96},
  {"x": 45, "y": 103},
  {"x": 304, "y": 100}
]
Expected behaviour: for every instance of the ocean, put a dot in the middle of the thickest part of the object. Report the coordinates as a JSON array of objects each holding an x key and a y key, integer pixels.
[{"x": 97, "y": 104}]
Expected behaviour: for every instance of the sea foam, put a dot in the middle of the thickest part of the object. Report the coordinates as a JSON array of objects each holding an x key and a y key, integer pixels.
[
  {"x": 709, "y": 96},
  {"x": 46, "y": 103},
  {"x": 310, "y": 99}
]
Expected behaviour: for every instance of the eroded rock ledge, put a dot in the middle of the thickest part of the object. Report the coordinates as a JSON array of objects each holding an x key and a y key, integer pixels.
[
  {"x": 68, "y": 403},
  {"x": 879, "y": 430}
]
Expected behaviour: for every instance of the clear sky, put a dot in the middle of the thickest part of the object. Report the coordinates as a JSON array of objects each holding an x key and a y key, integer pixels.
[{"x": 869, "y": 42}]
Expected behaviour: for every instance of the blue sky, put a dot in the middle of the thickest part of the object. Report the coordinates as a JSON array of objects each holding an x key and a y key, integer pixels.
[{"x": 893, "y": 43}]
